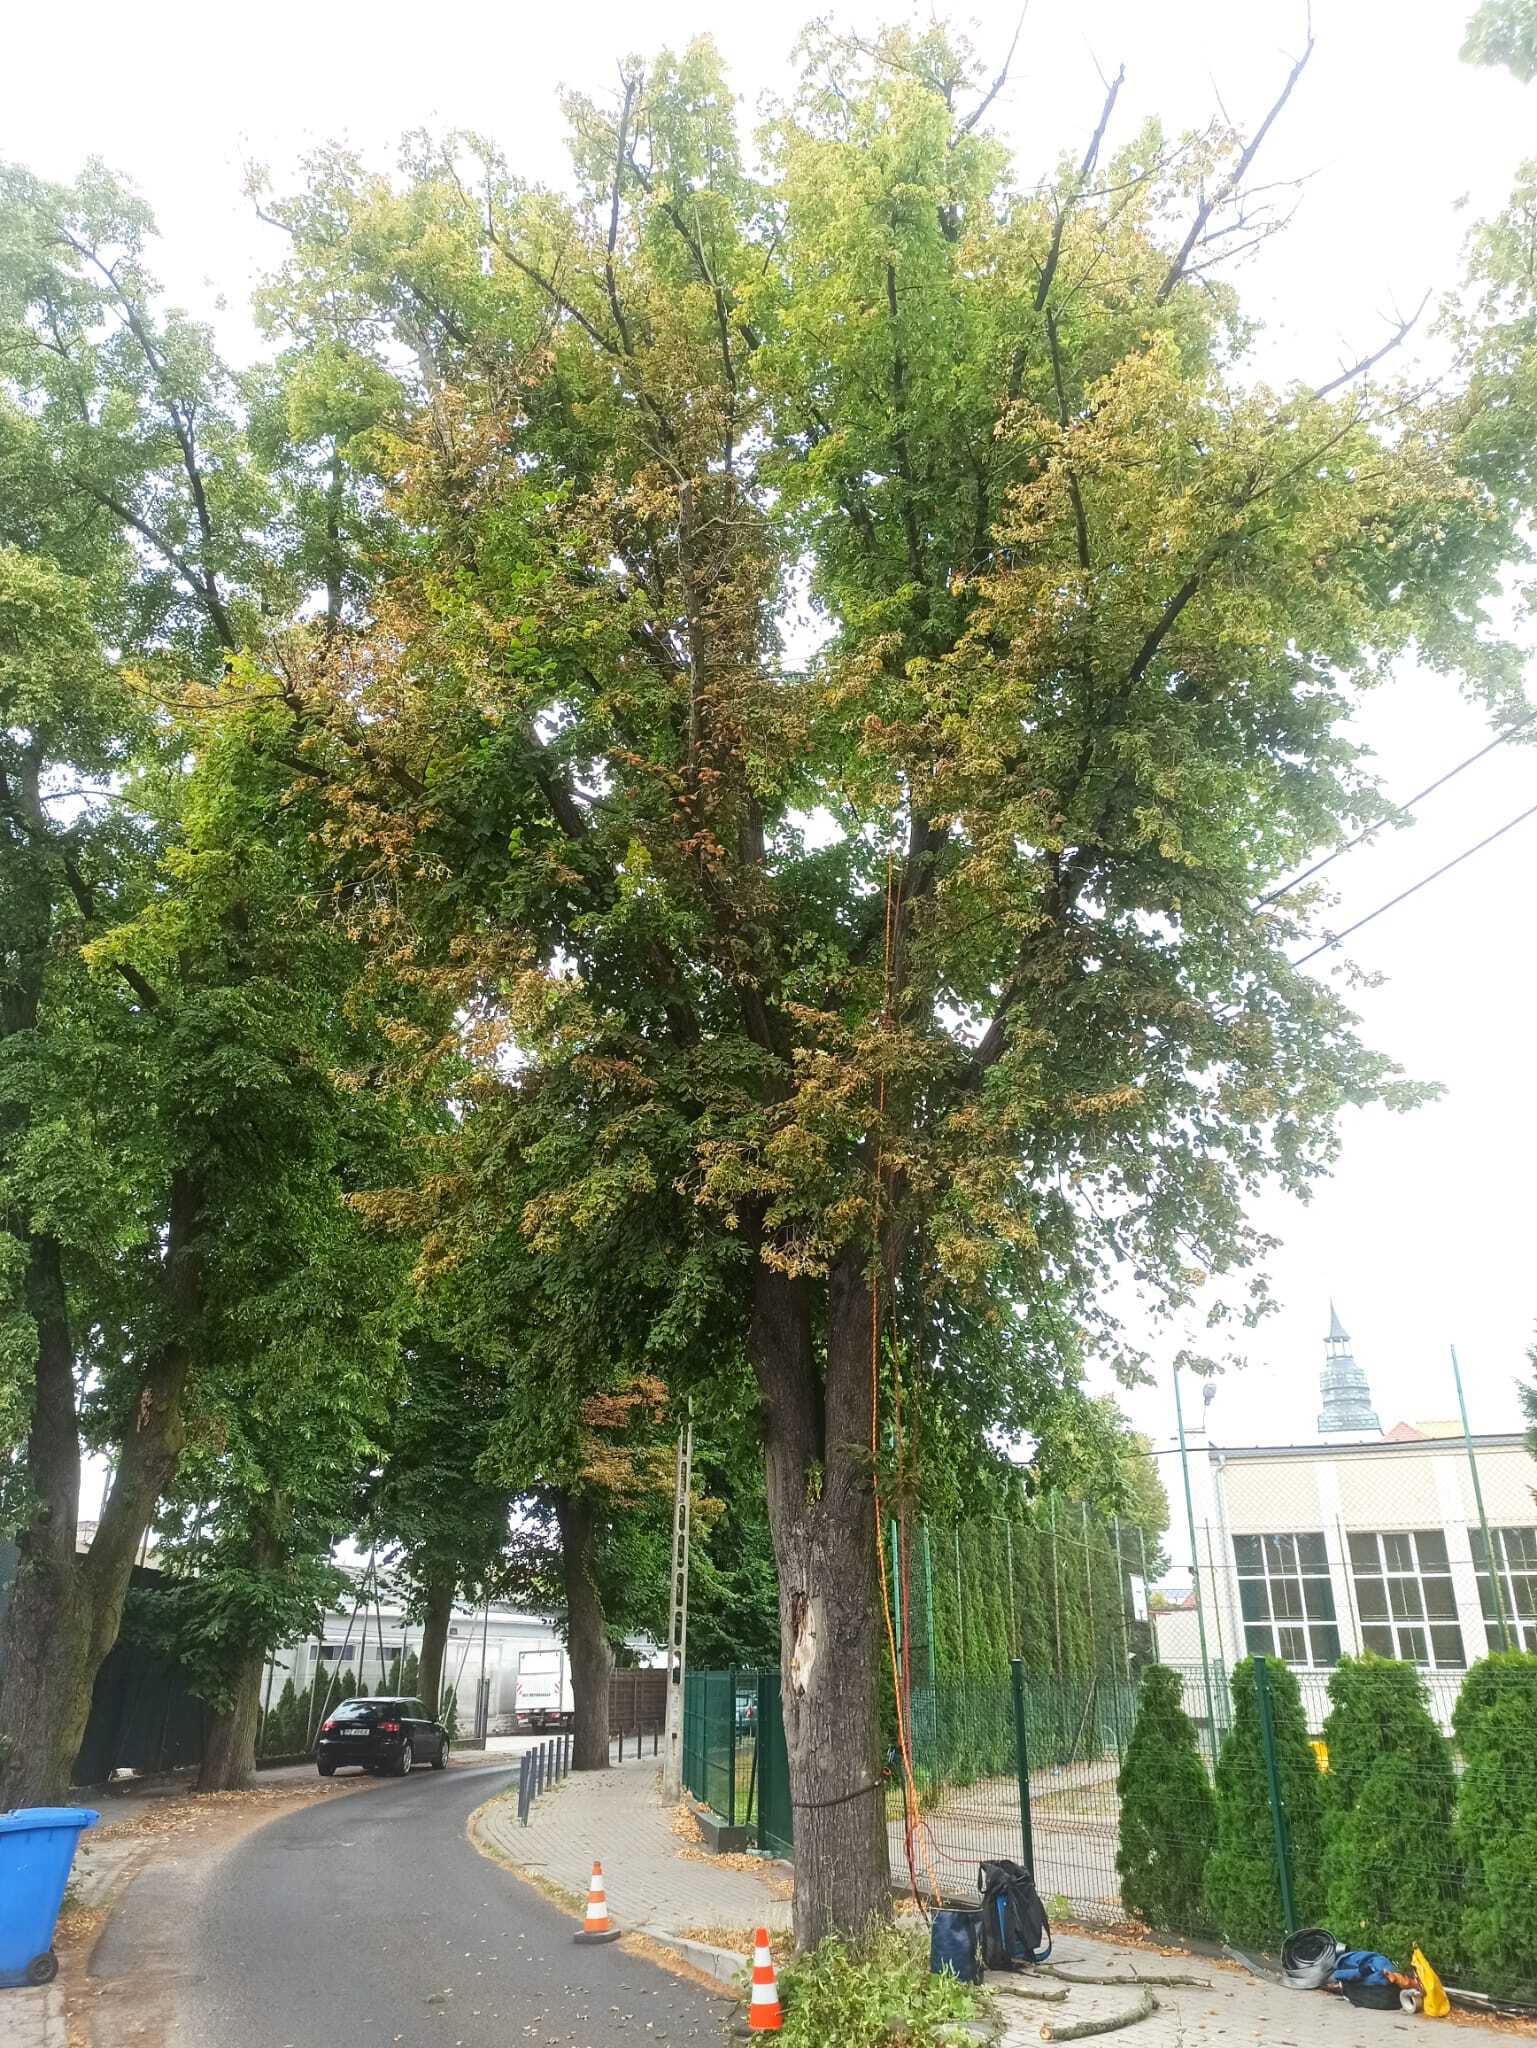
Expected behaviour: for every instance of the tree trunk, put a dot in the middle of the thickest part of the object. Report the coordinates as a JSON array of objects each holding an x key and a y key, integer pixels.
[
  {"x": 586, "y": 1632},
  {"x": 817, "y": 1466},
  {"x": 46, "y": 1668},
  {"x": 435, "y": 1623},
  {"x": 65, "y": 1611},
  {"x": 229, "y": 1751}
]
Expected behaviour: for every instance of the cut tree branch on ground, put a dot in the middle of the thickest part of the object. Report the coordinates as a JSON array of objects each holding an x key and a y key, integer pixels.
[
  {"x": 1029, "y": 1991},
  {"x": 1080, "y": 2030},
  {"x": 1128, "y": 1978}
]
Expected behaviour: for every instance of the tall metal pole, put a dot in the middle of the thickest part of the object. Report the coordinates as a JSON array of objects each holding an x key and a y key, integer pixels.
[
  {"x": 1195, "y": 1566},
  {"x": 1483, "y": 1519},
  {"x": 1283, "y": 1860},
  {"x": 1120, "y": 1594},
  {"x": 677, "y": 1620},
  {"x": 482, "y": 1704}
]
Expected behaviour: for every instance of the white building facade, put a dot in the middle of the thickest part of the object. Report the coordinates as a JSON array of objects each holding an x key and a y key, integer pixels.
[
  {"x": 1361, "y": 1540},
  {"x": 480, "y": 1660}
]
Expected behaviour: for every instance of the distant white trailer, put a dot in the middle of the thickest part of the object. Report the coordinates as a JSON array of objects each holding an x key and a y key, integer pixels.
[{"x": 543, "y": 1697}]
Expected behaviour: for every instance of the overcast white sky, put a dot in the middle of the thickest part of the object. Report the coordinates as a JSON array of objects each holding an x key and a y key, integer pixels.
[{"x": 1425, "y": 1235}]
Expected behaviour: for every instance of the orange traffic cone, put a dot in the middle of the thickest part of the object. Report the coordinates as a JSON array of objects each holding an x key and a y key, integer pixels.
[
  {"x": 597, "y": 1927},
  {"x": 763, "y": 2015}
]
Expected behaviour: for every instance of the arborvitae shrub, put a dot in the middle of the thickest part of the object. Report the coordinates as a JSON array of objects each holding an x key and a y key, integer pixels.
[
  {"x": 277, "y": 1737},
  {"x": 1390, "y": 1875},
  {"x": 1168, "y": 1811},
  {"x": 1243, "y": 1890},
  {"x": 1496, "y": 1829}
]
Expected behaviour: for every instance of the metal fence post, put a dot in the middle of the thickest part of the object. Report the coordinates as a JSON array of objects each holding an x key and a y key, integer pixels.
[
  {"x": 524, "y": 1781},
  {"x": 731, "y": 1748},
  {"x": 1022, "y": 1761},
  {"x": 1273, "y": 1783}
]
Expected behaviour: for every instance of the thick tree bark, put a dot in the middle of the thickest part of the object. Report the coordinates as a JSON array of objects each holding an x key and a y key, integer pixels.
[
  {"x": 817, "y": 1465},
  {"x": 65, "y": 1610},
  {"x": 229, "y": 1751},
  {"x": 435, "y": 1623},
  {"x": 586, "y": 1632},
  {"x": 46, "y": 1675}
]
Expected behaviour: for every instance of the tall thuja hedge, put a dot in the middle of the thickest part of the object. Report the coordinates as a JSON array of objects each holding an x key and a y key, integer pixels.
[
  {"x": 278, "y": 1723},
  {"x": 1496, "y": 1828},
  {"x": 1168, "y": 1812},
  {"x": 1390, "y": 1862},
  {"x": 1243, "y": 1891}
]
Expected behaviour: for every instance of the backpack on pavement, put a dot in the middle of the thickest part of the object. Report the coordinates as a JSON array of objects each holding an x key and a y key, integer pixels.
[{"x": 1015, "y": 1930}]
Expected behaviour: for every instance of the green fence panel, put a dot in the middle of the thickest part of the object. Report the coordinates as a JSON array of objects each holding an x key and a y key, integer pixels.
[{"x": 776, "y": 1831}]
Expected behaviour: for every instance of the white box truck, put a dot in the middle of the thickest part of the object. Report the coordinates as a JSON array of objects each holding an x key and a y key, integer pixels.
[{"x": 544, "y": 1698}]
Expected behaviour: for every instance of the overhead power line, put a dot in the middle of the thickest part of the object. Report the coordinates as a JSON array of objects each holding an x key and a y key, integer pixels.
[
  {"x": 1337, "y": 938},
  {"x": 1398, "y": 811}
]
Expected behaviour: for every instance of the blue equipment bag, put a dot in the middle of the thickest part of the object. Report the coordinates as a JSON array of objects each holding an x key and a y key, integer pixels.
[{"x": 953, "y": 1945}]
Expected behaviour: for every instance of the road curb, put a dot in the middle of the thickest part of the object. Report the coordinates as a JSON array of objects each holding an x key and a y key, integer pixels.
[{"x": 722, "y": 1964}]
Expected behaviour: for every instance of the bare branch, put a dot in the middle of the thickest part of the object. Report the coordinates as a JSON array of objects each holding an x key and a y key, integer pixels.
[
  {"x": 1085, "y": 172},
  {"x": 1229, "y": 185},
  {"x": 1394, "y": 340},
  {"x": 997, "y": 85},
  {"x": 631, "y": 87}
]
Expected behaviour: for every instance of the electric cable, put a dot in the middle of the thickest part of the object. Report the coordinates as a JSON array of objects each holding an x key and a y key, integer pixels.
[
  {"x": 1338, "y": 938},
  {"x": 1398, "y": 811}
]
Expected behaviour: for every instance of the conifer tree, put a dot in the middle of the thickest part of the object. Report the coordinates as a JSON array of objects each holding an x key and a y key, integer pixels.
[
  {"x": 1242, "y": 1885},
  {"x": 1389, "y": 1867},
  {"x": 1168, "y": 1812},
  {"x": 1495, "y": 1724}
]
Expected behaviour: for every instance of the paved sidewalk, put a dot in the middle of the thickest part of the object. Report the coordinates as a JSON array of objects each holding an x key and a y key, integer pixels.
[
  {"x": 32, "y": 2019},
  {"x": 657, "y": 1879},
  {"x": 654, "y": 1876},
  {"x": 1233, "y": 2009}
]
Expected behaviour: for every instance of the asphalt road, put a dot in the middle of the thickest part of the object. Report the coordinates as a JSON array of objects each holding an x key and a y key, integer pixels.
[{"x": 371, "y": 1920}]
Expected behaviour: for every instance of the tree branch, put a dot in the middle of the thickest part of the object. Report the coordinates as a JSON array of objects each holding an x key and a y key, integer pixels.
[
  {"x": 1394, "y": 340},
  {"x": 1085, "y": 171},
  {"x": 1080, "y": 517},
  {"x": 1230, "y": 184},
  {"x": 631, "y": 86},
  {"x": 997, "y": 85}
]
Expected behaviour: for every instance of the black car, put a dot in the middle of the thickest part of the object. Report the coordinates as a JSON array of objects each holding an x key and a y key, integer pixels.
[{"x": 380, "y": 1735}]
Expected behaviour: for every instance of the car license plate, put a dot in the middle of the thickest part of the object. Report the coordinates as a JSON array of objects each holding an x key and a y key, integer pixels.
[{"x": 356, "y": 1734}]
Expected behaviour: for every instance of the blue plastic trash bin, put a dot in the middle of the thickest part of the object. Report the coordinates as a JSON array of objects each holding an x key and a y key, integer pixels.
[{"x": 37, "y": 1846}]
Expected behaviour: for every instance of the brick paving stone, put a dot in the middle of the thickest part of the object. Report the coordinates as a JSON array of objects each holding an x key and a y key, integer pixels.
[
  {"x": 618, "y": 1817},
  {"x": 32, "y": 2018},
  {"x": 1236, "y": 2009}
]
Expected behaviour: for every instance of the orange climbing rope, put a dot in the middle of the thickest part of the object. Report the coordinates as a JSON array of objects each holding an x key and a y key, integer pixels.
[{"x": 912, "y": 1829}]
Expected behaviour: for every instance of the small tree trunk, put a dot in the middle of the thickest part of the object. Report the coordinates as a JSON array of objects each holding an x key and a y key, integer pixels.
[
  {"x": 817, "y": 1464},
  {"x": 229, "y": 1752},
  {"x": 586, "y": 1632},
  {"x": 435, "y": 1624}
]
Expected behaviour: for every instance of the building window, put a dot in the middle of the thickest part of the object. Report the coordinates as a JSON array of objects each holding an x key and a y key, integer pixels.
[
  {"x": 1515, "y": 1557},
  {"x": 1405, "y": 1598},
  {"x": 1286, "y": 1598}
]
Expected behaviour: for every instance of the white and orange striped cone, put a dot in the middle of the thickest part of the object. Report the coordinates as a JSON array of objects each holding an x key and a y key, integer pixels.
[
  {"x": 597, "y": 1926},
  {"x": 763, "y": 2015}
]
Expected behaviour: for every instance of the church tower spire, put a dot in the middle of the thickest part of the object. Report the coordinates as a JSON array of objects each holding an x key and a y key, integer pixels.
[{"x": 1347, "y": 1399}]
